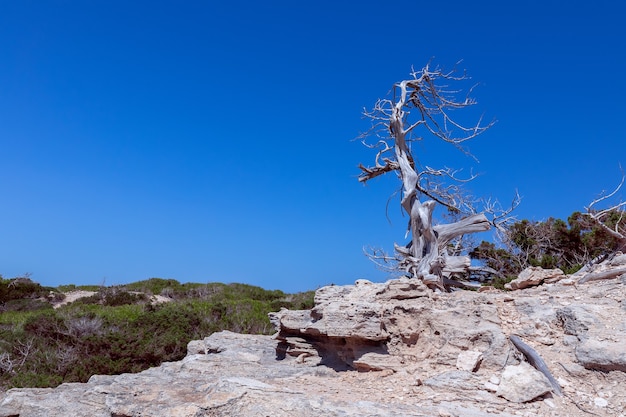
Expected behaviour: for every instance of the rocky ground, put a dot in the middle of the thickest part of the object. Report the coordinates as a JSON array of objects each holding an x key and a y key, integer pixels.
[{"x": 388, "y": 349}]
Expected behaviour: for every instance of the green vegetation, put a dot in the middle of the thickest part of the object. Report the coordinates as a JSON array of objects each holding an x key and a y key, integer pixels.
[
  {"x": 120, "y": 329},
  {"x": 72, "y": 287},
  {"x": 553, "y": 243}
]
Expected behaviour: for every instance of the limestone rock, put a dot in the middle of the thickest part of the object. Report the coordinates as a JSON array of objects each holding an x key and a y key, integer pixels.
[
  {"x": 533, "y": 276},
  {"x": 605, "y": 355},
  {"x": 599, "y": 345},
  {"x": 372, "y": 361},
  {"x": 469, "y": 360},
  {"x": 241, "y": 378},
  {"x": 403, "y": 289},
  {"x": 398, "y": 319},
  {"x": 380, "y": 349},
  {"x": 618, "y": 260},
  {"x": 522, "y": 383},
  {"x": 491, "y": 387},
  {"x": 492, "y": 384},
  {"x": 454, "y": 380},
  {"x": 576, "y": 319},
  {"x": 600, "y": 402}
]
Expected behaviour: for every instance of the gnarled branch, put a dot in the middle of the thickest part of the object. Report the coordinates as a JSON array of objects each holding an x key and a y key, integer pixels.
[{"x": 423, "y": 101}]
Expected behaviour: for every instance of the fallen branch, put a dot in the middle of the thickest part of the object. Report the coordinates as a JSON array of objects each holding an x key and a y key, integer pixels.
[
  {"x": 613, "y": 273},
  {"x": 535, "y": 360},
  {"x": 452, "y": 283}
]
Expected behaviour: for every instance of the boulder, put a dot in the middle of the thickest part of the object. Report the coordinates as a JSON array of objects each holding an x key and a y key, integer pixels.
[
  {"x": 522, "y": 383},
  {"x": 399, "y": 319},
  {"x": 608, "y": 354},
  {"x": 533, "y": 276}
]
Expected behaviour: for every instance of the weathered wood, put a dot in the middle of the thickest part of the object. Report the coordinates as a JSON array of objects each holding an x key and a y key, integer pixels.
[
  {"x": 425, "y": 247},
  {"x": 456, "y": 265},
  {"x": 610, "y": 274},
  {"x": 471, "y": 224},
  {"x": 420, "y": 101},
  {"x": 536, "y": 361}
]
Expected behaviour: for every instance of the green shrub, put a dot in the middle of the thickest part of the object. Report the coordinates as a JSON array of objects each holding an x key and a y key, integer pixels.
[
  {"x": 114, "y": 296},
  {"x": 34, "y": 379},
  {"x": 20, "y": 288},
  {"x": 499, "y": 282},
  {"x": 26, "y": 304},
  {"x": 15, "y": 320},
  {"x": 117, "y": 330},
  {"x": 72, "y": 287},
  {"x": 154, "y": 286}
]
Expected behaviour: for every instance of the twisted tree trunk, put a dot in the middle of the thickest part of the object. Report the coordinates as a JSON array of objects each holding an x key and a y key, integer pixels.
[
  {"x": 429, "y": 258},
  {"x": 426, "y": 257}
]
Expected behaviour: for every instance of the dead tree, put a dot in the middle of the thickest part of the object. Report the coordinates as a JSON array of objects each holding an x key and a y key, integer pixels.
[
  {"x": 617, "y": 230},
  {"x": 425, "y": 103},
  {"x": 612, "y": 221}
]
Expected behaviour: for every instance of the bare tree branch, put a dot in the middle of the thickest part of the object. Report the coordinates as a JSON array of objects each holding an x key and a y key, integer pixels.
[
  {"x": 500, "y": 217},
  {"x": 618, "y": 231},
  {"x": 425, "y": 102},
  {"x": 610, "y": 274}
]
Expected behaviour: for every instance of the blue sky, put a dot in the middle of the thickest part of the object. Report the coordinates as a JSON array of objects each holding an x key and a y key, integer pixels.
[{"x": 205, "y": 141}]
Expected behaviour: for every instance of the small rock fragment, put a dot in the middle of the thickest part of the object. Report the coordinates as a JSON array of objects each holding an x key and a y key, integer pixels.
[
  {"x": 600, "y": 402},
  {"x": 522, "y": 383},
  {"x": 469, "y": 360},
  {"x": 533, "y": 276}
]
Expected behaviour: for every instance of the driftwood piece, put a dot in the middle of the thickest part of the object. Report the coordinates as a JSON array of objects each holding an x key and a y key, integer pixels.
[
  {"x": 535, "y": 360},
  {"x": 613, "y": 273}
]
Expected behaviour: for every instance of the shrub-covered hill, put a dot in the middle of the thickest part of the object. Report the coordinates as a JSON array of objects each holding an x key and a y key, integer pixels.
[{"x": 45, "y": 342}]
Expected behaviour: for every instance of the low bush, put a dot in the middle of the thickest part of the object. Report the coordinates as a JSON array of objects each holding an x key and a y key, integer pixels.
[
  {"x": 20, "y": 288},
  {"x": 114, "y": 296},
  {"x": 26, "y": 304},
  {"x": 499, "y": 282},
  {"x": 118, "y": 330}
]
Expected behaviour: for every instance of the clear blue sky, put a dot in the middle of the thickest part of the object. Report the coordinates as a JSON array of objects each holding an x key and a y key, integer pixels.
[{"x": 205, "y": 141}]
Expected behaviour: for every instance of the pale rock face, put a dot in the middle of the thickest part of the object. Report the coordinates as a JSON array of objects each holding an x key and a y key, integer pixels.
[
  {"x": 382, "y": 349},
  {"x": 617, "y": 261},
  {"x": 522, "y": 383},
  {"x": 469, "y": 360},
  {"x": 533, "y": 276},
  {"x": 608, "y": 354},
  {"x": 373, "y": 326}
]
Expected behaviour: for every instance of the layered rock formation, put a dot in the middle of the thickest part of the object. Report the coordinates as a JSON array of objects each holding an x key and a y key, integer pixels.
[
  {"x": 371, "y": 327},
  {"x": 385, "y": 349}
]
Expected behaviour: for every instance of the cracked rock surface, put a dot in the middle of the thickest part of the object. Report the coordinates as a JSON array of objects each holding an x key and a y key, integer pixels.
[{"x": 383, "y": 349}]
